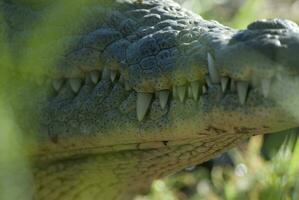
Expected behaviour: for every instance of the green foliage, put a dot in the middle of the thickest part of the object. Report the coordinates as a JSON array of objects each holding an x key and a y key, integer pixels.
[
  {"x": 22, "y": 70},
  {"x": 251, "y": 178}
]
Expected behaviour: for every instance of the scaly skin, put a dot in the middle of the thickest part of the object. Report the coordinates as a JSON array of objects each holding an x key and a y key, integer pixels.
[{"x": 139, "y": 92}]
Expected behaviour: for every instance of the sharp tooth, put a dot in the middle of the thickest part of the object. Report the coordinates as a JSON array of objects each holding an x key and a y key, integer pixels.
[
  {"x": 75, "y": 84},
  {"x": 190, "y": 95},
  {"x": 143, "y": 103},
  {"x": 212, "y": 70},
  {"x": 224, "y": 83},
  {"x": 266, "y": 83},
  {"x": 242, "y": 88},
  {"x": 195, "y": 89},
  {"x": 106, "y": 74},
  {"x": 113, "y": 75},
  {"x": 204, "y": 89},
  {"x": 232, "y": 85},
  {"x": 57, "y": 84},
  {"x": 279, "y": 77},
  {"x": 181, "y": 92},
  {"x": 121, "y": 79},
  {"x": 95, "y": 77},
  {"x": 208, "y": 81},
  {"x": 163, "y": 97}
]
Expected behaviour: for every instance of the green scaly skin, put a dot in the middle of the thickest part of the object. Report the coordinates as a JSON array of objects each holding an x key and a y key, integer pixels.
[{"x": 141, "y": 90}]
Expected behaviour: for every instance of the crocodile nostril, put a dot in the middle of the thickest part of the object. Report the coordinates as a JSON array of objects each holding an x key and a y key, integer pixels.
[{"x": 272, "y": 24}]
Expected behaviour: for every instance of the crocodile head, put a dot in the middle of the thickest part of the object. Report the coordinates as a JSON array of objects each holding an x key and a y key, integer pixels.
[
  {"x": 176, "y": 85},
  {"x": 155, "y": 88}
]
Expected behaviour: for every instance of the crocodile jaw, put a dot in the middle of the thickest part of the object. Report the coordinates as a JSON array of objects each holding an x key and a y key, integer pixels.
[
  {"x": 214, "y": 112},
  {"x": 248, "y": 99}
]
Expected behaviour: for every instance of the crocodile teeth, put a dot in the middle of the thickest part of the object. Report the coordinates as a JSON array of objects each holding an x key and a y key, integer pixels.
[
  {"x": 190, "y": 95},
  {"x": 242, "y": 88},
  {"x": 279, "y": 77},
  {"x": 212, "y": 69},
  {"x": 266, "y": 87},
  {"x": 208, "y": 81},
  {"x": 113, "y": 75},
  {"x": 163, "y": 97},
  {"x": 143, "y": 103},
  {"x": 95, "y": 77},
  {"x": 106, "y": 74},
  {"x": 57, "y": 84},
  {"x": 75, "y": 84},
  {"x": 204, "y": 89},
  {"x": 224, "y": 83},
  {"x": 195, "y": 89},
  {"x": 181, "y": 92}
]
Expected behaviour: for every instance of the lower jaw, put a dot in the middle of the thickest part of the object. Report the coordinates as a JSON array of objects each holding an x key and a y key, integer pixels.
[
  {"x": 121, "y": 170},
  {"x": 213, "y": 115}
]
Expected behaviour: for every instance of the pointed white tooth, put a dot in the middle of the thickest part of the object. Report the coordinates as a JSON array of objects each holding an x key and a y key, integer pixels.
[
  {"x": 163, "y": 97},
  {"x": 106, "y": 74},
  {"x": 143, "y": 103},
  {"x": 204, "y": 89},
  {"x": 121, "y": 79},
  {"x": 181, "y": 92},
  {"x": 208, "y": 80},
  {"x": 113, "y": 75},
  {"x": 242, "y": 88},
  {"x": 57, "y": 84},
  {"x": 232, "y": 85},
  {"x": 190, "y": 95},
  {"x": 75, "y": 84},
  {"x": 195, "y": 89},
  {"x": 266, "y": 83},
  {"x": 224, "y": 83},
  {"x": 212, "y": 69},
  {"x": 279, "y": 77},
  {"x": 95, "y": 76}
]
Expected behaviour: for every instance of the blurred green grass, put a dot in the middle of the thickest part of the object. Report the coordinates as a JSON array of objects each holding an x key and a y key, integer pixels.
[
  {"x": 239, "y": 13},
  {"x": 252, "y": 178},
  {"x": 24, "y": 71}
]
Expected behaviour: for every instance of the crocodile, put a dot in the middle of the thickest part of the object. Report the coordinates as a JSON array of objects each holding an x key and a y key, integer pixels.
[{"x": 134, "y": 91}]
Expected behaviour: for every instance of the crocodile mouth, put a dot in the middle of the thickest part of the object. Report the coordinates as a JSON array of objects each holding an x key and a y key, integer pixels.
[{"x": 214, "y": 81}]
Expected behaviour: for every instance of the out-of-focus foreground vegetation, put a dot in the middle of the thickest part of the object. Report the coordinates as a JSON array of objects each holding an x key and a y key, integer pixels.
[
  {"x": 252, "y": 177},
  {"x": 22, "y": 73},
  {"x": 251, "y": 174}
]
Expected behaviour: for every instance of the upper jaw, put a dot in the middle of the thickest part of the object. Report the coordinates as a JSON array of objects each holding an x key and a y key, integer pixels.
[
  {"x": 256, "y": 57},
  {"x": 242, "y": 63},
  {"x": 265, "y": 49}
]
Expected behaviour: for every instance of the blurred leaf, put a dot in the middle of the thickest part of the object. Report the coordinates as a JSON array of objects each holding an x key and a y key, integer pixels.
[{"x": 247, "y": 13}]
